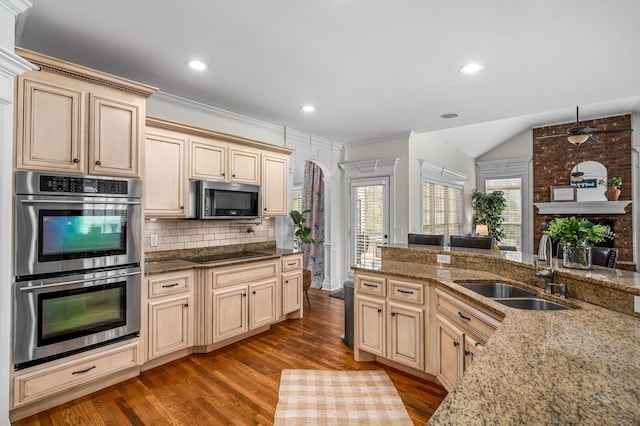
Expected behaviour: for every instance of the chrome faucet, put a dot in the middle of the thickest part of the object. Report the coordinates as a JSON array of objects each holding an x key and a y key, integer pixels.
[
  {"x": 562, "y": 287},
  {"x": 545, "y": 252}
]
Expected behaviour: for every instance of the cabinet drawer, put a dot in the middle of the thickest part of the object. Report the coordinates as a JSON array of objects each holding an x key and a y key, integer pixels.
[
  {"x": 480, "y": 324},
  {"x": 291, "y": 263},
  {"x": 371, "y": 285},
  {"x": 247, "y": 273},
  {"x": 58, "y": 378},
  {"x": 169, "y": 284},
  {"x": 406, "y": 291}
]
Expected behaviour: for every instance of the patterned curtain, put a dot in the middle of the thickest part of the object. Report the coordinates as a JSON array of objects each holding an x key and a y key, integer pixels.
[{"x": 313, "y": 199}]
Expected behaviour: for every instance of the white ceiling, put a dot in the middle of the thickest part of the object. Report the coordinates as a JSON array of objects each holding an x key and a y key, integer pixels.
[{"x": 372, "y": 68}]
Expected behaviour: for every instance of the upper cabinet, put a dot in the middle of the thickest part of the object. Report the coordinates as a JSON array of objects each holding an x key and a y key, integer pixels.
[
  {"x": 74, "y": 119},
  {"x": 213, "y": 156}
]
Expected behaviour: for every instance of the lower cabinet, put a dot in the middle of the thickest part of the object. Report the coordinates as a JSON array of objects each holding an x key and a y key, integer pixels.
[
  {"x": 386, "y": 327},
  {"x": 170, "y": 313},
  {"x": 463, "y": 330},
  {"x": 291, "y": 289},
  {"x": 230, "y": 313}
]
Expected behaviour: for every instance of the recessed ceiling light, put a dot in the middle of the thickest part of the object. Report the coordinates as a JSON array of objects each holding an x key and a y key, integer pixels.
[
  {"x": 308, "y": 108},
  {"x": 450, "y": 115},
  {"x": 197, "y": 64},
  {"x": 471, "y": 68}
]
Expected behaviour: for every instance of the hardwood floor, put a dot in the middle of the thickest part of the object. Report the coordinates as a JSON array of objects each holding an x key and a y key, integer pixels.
[{"x": 237, "y": 385}]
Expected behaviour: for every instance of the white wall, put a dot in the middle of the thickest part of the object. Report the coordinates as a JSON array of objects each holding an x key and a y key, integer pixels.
[
  {"x": 424, "y": 146},
  {"x": 10, "y": 66},
  {"x": 521, "y": 145}
]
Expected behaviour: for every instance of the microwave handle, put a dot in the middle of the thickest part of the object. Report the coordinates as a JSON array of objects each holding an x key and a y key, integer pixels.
[
  {"x": 38, "y": 287},
  {"x": 113, "y": 201}
]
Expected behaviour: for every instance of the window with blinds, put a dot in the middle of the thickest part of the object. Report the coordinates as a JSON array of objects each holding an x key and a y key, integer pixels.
[
  {"x": 441, "y": 209},
  {"x": 297, "y": 198},
  {"x": 512, "y": 188}
]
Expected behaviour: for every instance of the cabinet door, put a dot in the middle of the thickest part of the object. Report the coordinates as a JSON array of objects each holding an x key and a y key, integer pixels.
[
  {"x": 262, "y": 299},
  {"x": 170, "y": 326},
  {"x": 472, "y": 348},
  {"x": 450, "y": 343},
  {"x": 229, "y": 313},
  {"x": 114, "y": 135},
  {"x": 274, "y": 186},
  {"x": 291, "y": 292},
  {"x": 406, "y": 335},
  {"x": 164, "y": 175},
  {"x": 245, "y": 166},
  {"x": 50, "y": 126},
  {"x": 207, "y": 160},
  {"x": 371, "y": 325}
]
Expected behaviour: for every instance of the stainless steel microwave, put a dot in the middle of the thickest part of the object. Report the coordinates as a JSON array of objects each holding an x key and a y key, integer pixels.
[{"x": 222, "y": 200}]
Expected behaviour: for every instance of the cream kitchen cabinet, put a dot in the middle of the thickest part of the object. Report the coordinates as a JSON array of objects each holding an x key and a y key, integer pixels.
[
  {"x": 275, "y": 201},
  {"x": 244, "y": 165},
  {"x": 463, "y": 330},
  {"x": 390, "y": 320},
  {"x": 170, "y": 313},
  {"x": 292, "y": 285},
  {"x": 165, "y": 182},
  {"x": 208, "y": 159},
  {"x": 73, "y": 119}
]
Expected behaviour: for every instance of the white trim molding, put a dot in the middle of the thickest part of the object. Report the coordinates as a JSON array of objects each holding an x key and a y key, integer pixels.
[
  {"x": 15, "y": 7},
  {"x": 12, "y": 64},
  {"x": 442, "y": 175},
  {"x": 365, "y": 168},
  {"x": 583, "y": 207}
]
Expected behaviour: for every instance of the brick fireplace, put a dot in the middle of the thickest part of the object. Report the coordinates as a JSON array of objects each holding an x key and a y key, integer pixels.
[{"x": 554, "y": 158}]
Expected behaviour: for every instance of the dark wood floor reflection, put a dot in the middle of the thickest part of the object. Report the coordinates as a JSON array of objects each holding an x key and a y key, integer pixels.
[{"x": 237, "y": 385}]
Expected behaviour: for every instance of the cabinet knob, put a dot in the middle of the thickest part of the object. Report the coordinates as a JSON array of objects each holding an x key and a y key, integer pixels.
[
  {"x": 286, "y": 281},
  {"x": 467, "y": 353},
  {"x": 244, "y": 294},
  {"x": 223, "y": 174},
  {"x": 181, "y": 207},
  {"x": 186, "y": 305},
  {"x": 233, "y": 175},
  {"x": 379, "y": 310},
  {"x": 76, "y": 160},
  {"x": 456, "y": 343},
  {"x": 265, "y": 209},
  {"x": 98, "y": 163},
  {"x": 393, "y": 314},
  {"x": 253, "y": 292}
]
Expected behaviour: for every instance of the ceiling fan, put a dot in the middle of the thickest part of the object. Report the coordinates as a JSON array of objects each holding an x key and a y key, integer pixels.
[{"x": 580, "y": 134}]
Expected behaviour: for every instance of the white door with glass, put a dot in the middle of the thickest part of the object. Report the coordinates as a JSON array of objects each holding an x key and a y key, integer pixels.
[{"x": 369, "y": 225}]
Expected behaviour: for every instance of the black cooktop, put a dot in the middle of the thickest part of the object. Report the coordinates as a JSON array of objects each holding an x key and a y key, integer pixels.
[{"x": 221, "y": 257}]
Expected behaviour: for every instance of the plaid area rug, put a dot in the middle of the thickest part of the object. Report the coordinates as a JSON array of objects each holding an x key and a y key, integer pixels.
[{"x": 329, "y": 397}]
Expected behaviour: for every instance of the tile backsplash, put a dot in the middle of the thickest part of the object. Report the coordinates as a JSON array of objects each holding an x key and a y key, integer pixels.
[{"x": 179, "y": 234}]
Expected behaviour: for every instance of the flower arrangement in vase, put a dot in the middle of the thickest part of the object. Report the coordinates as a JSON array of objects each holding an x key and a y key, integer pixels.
[
  {"x": 613, "y": 188},
  {"x": 576, "y": 234}
]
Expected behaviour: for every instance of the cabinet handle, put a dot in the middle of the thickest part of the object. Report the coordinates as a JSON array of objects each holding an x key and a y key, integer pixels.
[
  {"x": 98, "y": 163},
  {"x": 456, "y": 343},
  {"x": 265, "y": 209},
  {"x": 477, "y": 344},
  {"x": 76, "y": 160},
  {"x": 181, "y": 207},
  {"x": 463, "y": 317},
  {"x": 405, "y": 292},
  {"x": 393, "y": 314},
  {"x": 233, "y": 175},
  {"x": 370, "y": 285},
  {"x": 253, "y": 292},
  {"x": 83, "y": 371},
  {"x": 286, "y": 281},
  {"x": 244, "y": 294},
  {"x": 223, "y": 174},
  {"x": 379, "y": 310},
  {"x": 291, "y": 264},
  {"x": 169, "y": 285},
  {"x": 186, "y": 305},
  {"x": 467, "y": 353}
]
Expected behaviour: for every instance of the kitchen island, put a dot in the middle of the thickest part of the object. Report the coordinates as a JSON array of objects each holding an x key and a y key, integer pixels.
[{"x": 577, "y": 366}]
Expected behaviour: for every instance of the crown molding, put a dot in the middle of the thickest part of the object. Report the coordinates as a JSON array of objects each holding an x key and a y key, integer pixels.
[
  {"x": 16, "y": 7},
  {"x": 177, "y": 100},
  {"x": 14, "y": 64},
  {"x": 296, "y": 137},
  {"x": 379, "y": 167},
  {"x": 404, "y": 135},
  {"x": 511, "y": 166}
]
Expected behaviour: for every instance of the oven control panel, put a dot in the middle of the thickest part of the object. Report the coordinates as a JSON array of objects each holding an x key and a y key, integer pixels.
[{"x": 82, "y": 185}]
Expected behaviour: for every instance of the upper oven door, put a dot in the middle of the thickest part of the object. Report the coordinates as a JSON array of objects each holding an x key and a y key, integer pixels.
[{"x": 64, "y": 233}]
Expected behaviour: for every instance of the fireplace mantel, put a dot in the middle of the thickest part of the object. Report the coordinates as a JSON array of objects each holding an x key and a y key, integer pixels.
[{"x": 583, "y": 207}]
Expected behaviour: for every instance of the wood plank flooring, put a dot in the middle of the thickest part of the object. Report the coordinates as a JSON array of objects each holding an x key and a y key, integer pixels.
[{"x": 237, "y": 385}]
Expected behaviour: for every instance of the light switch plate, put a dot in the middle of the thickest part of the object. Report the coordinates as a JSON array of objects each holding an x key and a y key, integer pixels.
[
  {"x": 636, "y": 304},
  {"x": 270, "y": 232},
  {"x": 443, "y": 258},
  {"x": 154, "y": 240}
]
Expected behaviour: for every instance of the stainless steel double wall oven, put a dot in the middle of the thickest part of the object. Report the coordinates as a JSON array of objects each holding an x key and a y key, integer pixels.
[{"x": 77, "y": 264}]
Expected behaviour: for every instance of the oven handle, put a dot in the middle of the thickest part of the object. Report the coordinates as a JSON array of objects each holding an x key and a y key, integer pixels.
[
  {"x": 113, "y": 201},
  {"x": 33, "y": 288}
]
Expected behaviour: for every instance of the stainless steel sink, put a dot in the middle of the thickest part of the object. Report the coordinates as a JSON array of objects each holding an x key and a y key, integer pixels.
[
  {"x": 532, "y": 304},
  {"x": 498, "y": 290}
]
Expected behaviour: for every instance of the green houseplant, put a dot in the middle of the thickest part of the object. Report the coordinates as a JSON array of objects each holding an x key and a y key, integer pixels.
[
  {"x": 489, "y": 207},
  {"x": 613, "y": 188},
  {"x": 301, "y": 233},
  {"x": 576, "y": 234}
]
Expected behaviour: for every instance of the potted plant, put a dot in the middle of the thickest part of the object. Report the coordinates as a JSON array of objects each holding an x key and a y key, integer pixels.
[
  {"x": 301, "y": 233},
  {"x": 489, "y": 207},
  {"x": 576, "y": 234},
  {"x": 613, "y": 188}
]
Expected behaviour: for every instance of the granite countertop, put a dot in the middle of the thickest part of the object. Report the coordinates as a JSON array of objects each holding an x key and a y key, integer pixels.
[
  {"x": 579, "y": 366},
  {"x": 176, "y": 260}
]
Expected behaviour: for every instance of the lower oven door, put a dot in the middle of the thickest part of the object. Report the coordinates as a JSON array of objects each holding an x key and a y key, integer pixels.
[{"x": 61, "y": 316}]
